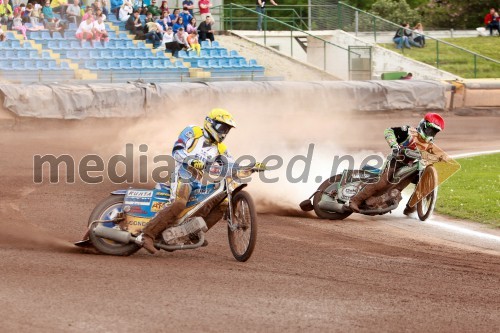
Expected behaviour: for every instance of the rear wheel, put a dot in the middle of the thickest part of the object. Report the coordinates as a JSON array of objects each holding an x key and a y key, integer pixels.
[
  {"x": 317, "y": 198},
  {"x": 425, "y": 207},
  {"x": 108, "y": 209},
  {"x": 242, "y": 240}
]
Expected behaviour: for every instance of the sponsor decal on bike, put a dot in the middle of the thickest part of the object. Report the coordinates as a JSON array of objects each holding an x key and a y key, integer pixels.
[
  {"x": 136, "y": 224},
  {"x": 156, "y": 206},
  {"x": 349, "y": 191},
  {"x": 138, "y": 198}
]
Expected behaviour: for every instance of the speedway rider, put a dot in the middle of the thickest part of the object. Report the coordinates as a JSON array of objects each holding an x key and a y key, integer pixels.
[
  {"x": 195, "y": 146},
  {"x": 397, "y": 138}
]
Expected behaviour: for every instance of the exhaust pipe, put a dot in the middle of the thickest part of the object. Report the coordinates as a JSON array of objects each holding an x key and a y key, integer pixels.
[
  {"x": 333, "y": 206},
  {"x": 116, "y": 235}
]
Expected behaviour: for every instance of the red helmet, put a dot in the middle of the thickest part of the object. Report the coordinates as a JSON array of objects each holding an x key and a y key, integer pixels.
[{"x": 430, "y": 125}]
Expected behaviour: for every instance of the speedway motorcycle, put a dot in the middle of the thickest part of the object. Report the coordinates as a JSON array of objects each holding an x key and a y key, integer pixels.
[
  {"x": 115, "y": 222},
  {"x": 331, "y": 199}
]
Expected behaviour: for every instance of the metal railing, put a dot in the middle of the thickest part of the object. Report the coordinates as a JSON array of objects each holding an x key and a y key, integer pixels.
[{"x": 444, "y": 55}]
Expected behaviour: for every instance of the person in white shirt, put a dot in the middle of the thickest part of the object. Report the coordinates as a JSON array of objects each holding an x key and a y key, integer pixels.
[
  {"x": 99, "y": 30},
  {"x": 84, "y": 31},
  {"x": 181, "y": 38},
  {"x": 125, "y": 11},
  {"x": 170, "y": 43}
]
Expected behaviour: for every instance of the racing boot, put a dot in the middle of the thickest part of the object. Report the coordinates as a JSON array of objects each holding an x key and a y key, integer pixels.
[{"x": 160, "y": 222}]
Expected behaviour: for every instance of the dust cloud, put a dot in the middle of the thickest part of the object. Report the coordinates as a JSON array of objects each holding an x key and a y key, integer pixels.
[{"x": 284, "y": 124}]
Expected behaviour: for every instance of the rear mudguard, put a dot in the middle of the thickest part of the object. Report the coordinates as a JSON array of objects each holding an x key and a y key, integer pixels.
[{"x": 85, "y": 242}]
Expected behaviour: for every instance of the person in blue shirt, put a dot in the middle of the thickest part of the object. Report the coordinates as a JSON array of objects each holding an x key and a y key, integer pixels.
[
  {"x": 190, "y": 5},
  {"x": 186, "y": 17},
  {"x": 179, "y": 24}
]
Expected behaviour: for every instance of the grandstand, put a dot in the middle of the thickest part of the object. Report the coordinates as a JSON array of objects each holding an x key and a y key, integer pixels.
[{"x": 62, "y": 58}]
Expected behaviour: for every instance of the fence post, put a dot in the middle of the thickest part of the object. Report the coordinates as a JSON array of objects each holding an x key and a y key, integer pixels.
[
  {"x": 231, "y": 15},
  {"x": 324, "y": 56},
  {"x": 356, "y": 23},
  {"x": 437, "y": 53},
  {"x": 374, "y": 30},
  {"x": 291, "y": 43},
  {"x": 339, "y": 17},
  {"x": 475, "y": 66}
]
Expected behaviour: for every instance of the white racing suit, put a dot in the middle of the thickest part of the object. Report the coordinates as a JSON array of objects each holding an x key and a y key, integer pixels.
[{"x": 193, "y": 144}]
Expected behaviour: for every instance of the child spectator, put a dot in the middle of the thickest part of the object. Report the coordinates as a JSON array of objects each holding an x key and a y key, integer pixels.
[
  {"x": 170, "y": 42},
  {"x": 191, "y": 26},
  {"x": 84, "y": 31},
  {"x": 89, "y": 12},
  {"x": 181, "y": 38},
  {"x": 99, "y": 30},
  {"x": 205, "y": 29},
  {"x": 98, "y": 13},
  {"x": 193, "y": 42}
]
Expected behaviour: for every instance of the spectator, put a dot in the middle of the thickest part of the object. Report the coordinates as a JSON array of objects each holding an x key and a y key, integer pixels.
[
  {"x": 115, "y": 7},
  {"x": 84, "y": 31},
  {"x": 48, "y": 14},
  {"x": 164, "y": 7},
  {"x": 98, "y": 13},
  {"x": 59, "y": 6},
  {"x": 170, "y": 42},
  {"x": 193, "y": 42},
  {"x": 154, "y": 34},
  {"x": 149, "y": 18},
  {"x": 490, "y": 22},
  {"x": 495, "y": 23},
  {"x": 104, "y": 8},
  {"x": 205, "y": 6},
  {"x": 99, "y": 30},
  {"x": 205, "y": 29},
  {"x": 134, "y": 25},
  {"x": 36, "y": 14},
  {"x": 418, "y": 32},
  {"x": 190, "y": 6},
  {"x": 174, "y": 17},
  {"x": 164, "y": 21},
  {"x": 6, "y": 13},
  {"x": 154, "y": 10},
  {"x": 400, "y": 38},
  {"x": 26, "y": 15},
  {"x": 409, "y": 34},
  {"x": 186, "y": 17},
  {"x": 261, "y": 10},
  {"x": 181, "y": 38},
  {"x": 179, "y": 24},
  {"x": 17, "y": 24},
  {"x": 89, "y": 12},
  {"x": 191, "y": 26},
  {"x": 74, "y": 12},
  {"x": 125, "y": 11}
]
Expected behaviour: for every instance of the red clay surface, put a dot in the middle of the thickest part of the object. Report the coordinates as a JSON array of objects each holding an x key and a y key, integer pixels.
[{"x": 387, "y": 273}]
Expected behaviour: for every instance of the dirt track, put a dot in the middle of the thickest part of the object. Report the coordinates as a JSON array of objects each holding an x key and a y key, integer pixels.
[{"x": 375, "y": 274}]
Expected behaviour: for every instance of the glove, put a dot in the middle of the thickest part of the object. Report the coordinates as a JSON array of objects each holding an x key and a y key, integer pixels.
[
  {"x": 395, "y": 150},
  {"x": 259, "y": 166},
  {"x": 197, "y": 164}
]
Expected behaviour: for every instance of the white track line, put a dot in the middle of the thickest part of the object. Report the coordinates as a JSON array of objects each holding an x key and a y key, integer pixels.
[{"x": 463, "y": 230}]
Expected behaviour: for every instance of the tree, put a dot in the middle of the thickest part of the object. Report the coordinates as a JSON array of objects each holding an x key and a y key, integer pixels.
[
  {"x": 454, "y": 14},
  {"x": 397, "y": 11}
]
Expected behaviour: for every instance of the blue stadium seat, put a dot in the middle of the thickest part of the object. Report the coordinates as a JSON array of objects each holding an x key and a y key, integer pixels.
[
  {"x": 129, "y": 54},
  {"x": 13, "y": 43},
  {"x": 64, "y": 44},
  {"x": 223, "y": 53},
  {"x": 33, "y": 54},
  {"x": 213, "y": 63},
  {"x": 91, "y": 64},
  {"x": 146, "y": 63},
  {"x": 72, "y": 26},
  {"x": 214, "y": 54},
  {"x": 46, "y": 35},
  {"x": 52, "y": 64},
  {"x": 22, "y": 54},
  {"x": 10, "y": 54},
  {"x": 102, "y": 64},
  {"x": 125, "y": 63},
  {"x": 27, "y": 45},
  {"x": 234, "y": 53},
  {"x": 233, "y": 62},
  {"x": 158, "y": 63},
  {"x": 69, "y": 35},
  {"x": 136, "y": 63},
  {"x": 57, "y": 35},
  {"x": 34, "y": 35},
  {"x": 179, "y": 64},
  {"x": 107, "y": 54},
  {"x": 205, "y": 44},
  {"x": 16, "y": 64},
  {"x": 95, "y": 54},
  {"x": 182, "y": 54},
  {"x": 160, "y": 54},
  {"x": 204, "y": 54},
  {"x": 140, "y": 53},
  {"x": 75, "y": 44},
  {"x": 224, "y": 63},
  {"x": 120, "y": 44},
  {"x": 215, "y": 44},
  {"x": 111, "y": 34},
  {"x": 203, "y": 63},
  {"x": 65, "y": 65},
  {"x": 71, "y": 54},
  {"x": 29, "y": 64},
  {"x": 41, "y": 64},
  {"x": 53, "y": 44},
  {"x": 84, "y": 54},
  {"x": 46, "y": 55}
]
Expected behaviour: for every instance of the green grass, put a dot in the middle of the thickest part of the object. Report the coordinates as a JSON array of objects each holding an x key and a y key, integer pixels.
[
  {"x": 473, "y": 193},
  {"x": 457, "y": 61}
]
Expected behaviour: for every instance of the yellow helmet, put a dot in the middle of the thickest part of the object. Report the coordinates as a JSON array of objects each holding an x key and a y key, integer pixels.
[{"x": 218, "y": 123}]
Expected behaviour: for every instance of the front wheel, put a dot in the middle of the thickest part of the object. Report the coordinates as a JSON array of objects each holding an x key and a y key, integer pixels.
[
  {"x": 108, "y": 209},
  {"x": 317, "y": 198},
  {"x": 427, "y": 184},
  {"x": 243, "y": 238}
]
